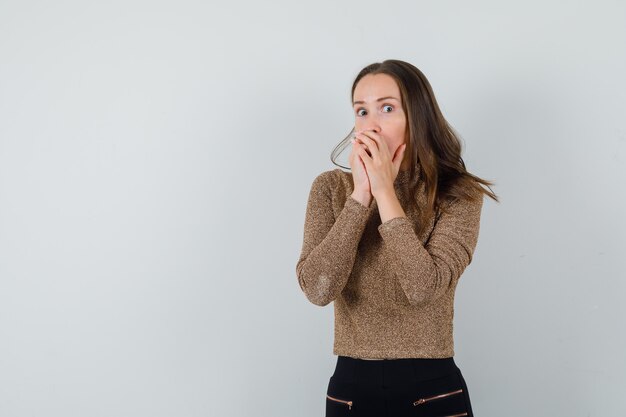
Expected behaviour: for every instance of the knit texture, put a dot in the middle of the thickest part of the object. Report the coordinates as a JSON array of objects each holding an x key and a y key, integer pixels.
[{"x": 393, "y": 290}]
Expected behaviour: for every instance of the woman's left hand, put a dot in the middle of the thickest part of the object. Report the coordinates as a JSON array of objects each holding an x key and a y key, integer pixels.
[{"x": 381, "y": 167}]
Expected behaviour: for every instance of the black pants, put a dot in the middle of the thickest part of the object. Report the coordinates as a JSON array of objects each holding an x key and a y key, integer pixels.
[{"x": 397, "y": 387}]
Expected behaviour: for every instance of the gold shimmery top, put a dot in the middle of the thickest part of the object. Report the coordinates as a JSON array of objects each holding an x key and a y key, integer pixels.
[{"x": 393, "y": 290}]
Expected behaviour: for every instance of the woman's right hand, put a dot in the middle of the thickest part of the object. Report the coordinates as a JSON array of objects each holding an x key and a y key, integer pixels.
[{"x": 362, "y": 192}]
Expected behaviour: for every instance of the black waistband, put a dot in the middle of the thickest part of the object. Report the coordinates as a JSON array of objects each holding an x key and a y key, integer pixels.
[{"x": 393, "y": 370}]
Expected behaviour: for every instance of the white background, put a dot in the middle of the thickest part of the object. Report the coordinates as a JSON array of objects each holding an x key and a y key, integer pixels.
[{"x": 156, "y": 157}]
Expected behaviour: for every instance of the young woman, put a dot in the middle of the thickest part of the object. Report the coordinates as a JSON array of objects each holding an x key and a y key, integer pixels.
[{"x": 388, "y": 243}]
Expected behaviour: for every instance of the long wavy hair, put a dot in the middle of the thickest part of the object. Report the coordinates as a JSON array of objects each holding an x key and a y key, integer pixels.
[{"x": 431, "y": 141}]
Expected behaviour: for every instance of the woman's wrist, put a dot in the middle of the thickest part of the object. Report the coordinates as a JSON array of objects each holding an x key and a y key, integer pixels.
[{"x": 365, "y": 198}]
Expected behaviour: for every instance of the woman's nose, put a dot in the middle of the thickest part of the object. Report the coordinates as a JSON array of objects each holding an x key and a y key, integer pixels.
[{"x": 376, "y": 129}]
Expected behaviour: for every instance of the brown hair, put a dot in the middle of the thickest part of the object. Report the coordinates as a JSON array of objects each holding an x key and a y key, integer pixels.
[{"x": 431, "y": 141}]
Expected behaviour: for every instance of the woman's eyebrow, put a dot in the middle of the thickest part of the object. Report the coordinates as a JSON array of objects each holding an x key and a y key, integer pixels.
[{"x": 380, "y": 99}]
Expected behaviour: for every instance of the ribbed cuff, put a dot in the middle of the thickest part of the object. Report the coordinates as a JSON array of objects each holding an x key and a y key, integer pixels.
[{"x": 391, "y": 224}]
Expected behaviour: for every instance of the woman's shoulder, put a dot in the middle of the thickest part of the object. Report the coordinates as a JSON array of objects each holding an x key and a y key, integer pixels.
[{"x": 334, "y": 179}]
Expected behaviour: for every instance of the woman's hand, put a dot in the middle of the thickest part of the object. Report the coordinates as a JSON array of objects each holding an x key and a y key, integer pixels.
[
  {"x": 361, "y": 191},
  {"x": 380, "y": 167}
]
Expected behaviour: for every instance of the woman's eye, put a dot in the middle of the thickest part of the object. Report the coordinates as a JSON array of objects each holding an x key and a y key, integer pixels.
[{"x": 358, "y": 112}]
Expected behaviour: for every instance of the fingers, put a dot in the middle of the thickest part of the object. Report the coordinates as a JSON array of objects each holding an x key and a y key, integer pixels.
[
  {"x": 359, "y": 145},
  {"x": 368, "y": 143},
  {"x": 374, "y": 143},
  {"x": 399, "y": 154},
  {"x": 398, "y": 157},
  {"x": 354, "y": 158},
  {"x": 365, "y": 157}
]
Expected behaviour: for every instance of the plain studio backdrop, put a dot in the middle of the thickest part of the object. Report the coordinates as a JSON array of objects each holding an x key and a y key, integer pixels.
[{"x": 156, "y": 158}]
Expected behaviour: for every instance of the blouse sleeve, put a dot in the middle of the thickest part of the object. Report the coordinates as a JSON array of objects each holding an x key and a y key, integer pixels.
[
  {"x": 329, "y": 245},
  {"x": 426, "y": 272}
]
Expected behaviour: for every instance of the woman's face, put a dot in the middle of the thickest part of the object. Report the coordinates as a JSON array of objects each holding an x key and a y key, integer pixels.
[{"x": 377, "y": 107}]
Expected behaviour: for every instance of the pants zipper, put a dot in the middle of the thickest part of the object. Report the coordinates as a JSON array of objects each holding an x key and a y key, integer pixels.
[
  {"x": 341, "y": 401},
  {"x": 436, "y": 397}
]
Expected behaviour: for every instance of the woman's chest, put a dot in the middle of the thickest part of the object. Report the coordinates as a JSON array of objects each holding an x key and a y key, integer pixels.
[{"x": 373, "y": 278}]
